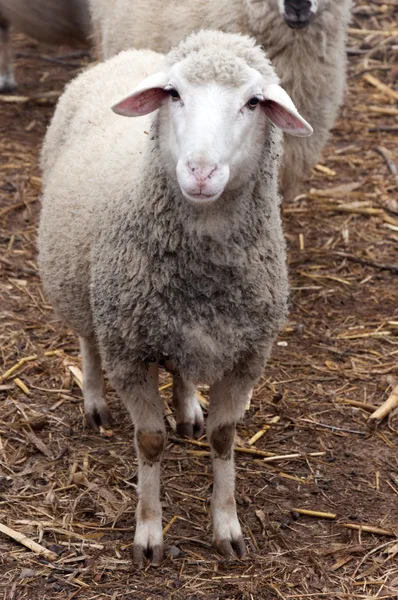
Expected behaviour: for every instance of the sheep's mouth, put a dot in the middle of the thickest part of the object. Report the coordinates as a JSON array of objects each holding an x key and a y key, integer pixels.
[
  {"x": 201, "y": 199},
  {"x": 300, "y": 21}
]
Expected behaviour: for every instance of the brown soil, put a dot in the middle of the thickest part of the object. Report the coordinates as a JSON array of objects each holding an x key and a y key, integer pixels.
[{"x": 74, "y": 491}]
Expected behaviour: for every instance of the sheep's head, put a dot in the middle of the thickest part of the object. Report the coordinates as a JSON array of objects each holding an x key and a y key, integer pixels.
[
  {"x": 298, "y": 13},
  {"x": 214, "y": 116}
]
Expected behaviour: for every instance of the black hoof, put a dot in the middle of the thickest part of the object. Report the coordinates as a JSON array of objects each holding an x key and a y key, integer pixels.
[
  {"x": 99, "y": 417},
  {"x": 154, "y": 555},
  {"x": 190, "y": 430},
  {"x": 231, "y": 548}
]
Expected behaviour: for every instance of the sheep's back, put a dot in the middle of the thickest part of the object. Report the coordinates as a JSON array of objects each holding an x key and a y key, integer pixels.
[
  {"x": 50, "y": 21},
  {"x": 90, "y": 155},
  {"x": 160, "y": 25}
]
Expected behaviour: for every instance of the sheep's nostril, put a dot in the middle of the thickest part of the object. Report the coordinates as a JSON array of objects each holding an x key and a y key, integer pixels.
[{"x": 202, "y": 172}]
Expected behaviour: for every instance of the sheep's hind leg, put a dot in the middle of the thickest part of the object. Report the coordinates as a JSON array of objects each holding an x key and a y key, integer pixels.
[
  {"x": 7, "y": 81},
  {"x": 228, "y": 398},
  {"x": 145, "y": 406},
  {"x": 95, "y": 406},
  {"x": 189, "y": 416}
]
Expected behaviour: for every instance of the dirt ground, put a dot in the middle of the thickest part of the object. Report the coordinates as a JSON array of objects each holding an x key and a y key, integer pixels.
[{"x": 73, "y": 491}]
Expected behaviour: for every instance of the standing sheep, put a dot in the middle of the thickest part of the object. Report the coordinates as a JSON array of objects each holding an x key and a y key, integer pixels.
[
  {"x": 51, "y": 21},
  {"x": 160, "y": 243},
  {"x": 304, "y": 39}
]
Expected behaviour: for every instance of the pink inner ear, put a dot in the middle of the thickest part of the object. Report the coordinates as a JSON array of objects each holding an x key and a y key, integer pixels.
[
  {"x": 282, "y": 118},
  {"x": 141, "y": 104}
]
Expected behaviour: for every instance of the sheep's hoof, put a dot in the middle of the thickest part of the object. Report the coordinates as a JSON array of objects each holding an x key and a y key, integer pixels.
[
  {"x": 98, "y": 415},
  {"x": 7, "y": 88},
  {"x": 154, "y": 555},
  {"x": 231, "y": 548},
  {"x": 190, "y": 430},
  {"x": 7, "y": 83}
]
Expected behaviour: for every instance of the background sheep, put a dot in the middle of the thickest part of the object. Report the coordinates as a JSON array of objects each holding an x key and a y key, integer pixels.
[
  {"x": 51, "y": 21},
  {"x": 167, "y": 248},
  {"x": 311, "y": 62}
]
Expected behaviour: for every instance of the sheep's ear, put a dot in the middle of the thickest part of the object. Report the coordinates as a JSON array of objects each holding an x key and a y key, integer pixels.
[
  {"x": 281, "y": 111},
  {"x": 145, "y": 98}
]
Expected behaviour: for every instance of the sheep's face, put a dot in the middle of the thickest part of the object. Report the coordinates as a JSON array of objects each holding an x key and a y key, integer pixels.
[
  {"x": 211, "y": 131},
  {"x": 215, "y": 133},
  {"x": 298, "y": 13}
]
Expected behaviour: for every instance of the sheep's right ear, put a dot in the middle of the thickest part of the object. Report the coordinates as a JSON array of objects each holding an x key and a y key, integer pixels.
[{"x": 145, "y": 98}]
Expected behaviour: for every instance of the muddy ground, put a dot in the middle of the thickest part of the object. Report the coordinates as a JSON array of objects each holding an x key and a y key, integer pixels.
[{"x": 73, "y": 491}]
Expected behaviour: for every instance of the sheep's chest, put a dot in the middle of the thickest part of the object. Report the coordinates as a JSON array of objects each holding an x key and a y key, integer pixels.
[
  {"x": 204, "y": 315},
  {"x": 201, "y": 306}
]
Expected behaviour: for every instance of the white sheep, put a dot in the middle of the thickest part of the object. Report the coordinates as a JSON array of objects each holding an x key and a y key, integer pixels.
[
  {"x": 51, "y": 21},
  {"x": 160, "y": 243},
  {"x": 304, "y": 39}
]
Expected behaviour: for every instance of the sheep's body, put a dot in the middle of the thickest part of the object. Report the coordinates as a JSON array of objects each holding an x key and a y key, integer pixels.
[
  {"x": 50, "y": 21},
  {"x": 217, "y": 255},
  {"x": 310, "y": 62},
  {"x": 127, "y": 262},
  {"x": 71, "y": 209}
]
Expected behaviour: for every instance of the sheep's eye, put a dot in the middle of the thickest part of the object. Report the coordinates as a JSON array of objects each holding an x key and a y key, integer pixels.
[
  {"x": 174, "y": 94},
  {"x": 253, "y": 102}
]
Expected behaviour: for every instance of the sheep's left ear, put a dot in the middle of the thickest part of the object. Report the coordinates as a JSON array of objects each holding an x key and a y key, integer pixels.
[
  {"x": 280, "y": 109},
  {"x": 145, "y": 98}
]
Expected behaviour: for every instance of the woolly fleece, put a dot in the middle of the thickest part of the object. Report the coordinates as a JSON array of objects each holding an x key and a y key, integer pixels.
[{"x": 125, "y": 258}]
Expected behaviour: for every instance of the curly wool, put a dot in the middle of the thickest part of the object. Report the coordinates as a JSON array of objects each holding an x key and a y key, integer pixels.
[{"x": 233, "y": 53}]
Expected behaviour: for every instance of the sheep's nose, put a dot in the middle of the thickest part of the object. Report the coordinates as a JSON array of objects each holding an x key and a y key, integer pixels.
[
  {"x": 201, "y": 172},
  {"x": 298, "y": 13}
]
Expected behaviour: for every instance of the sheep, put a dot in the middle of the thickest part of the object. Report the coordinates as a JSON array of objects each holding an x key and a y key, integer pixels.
[
  {"x": 160, "y": 244},
  {"x": 51, "y": 21},
  {"x": 304, "y": 39}
]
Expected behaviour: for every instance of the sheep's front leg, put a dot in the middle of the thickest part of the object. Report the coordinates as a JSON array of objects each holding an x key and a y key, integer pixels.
[
  {"x": 95, "y": 406},
  {"x": 146, "y": 409},
  {"x": 7, "y": 81},
  {"x": 189, "y": 416},
  {"x": 228, "y": 398}
]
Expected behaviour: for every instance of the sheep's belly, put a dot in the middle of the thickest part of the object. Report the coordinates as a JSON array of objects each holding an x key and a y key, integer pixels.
[
  {"x": 204, "y": 356},
  {"x": 203, "y": 350}
]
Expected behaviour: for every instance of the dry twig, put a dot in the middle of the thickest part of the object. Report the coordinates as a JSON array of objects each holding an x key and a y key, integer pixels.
[
  {"x": 386, "y": 407},
  {"x": 369, "y": 529},
  {"x": 382, "y": 87},
  {"x": 268, "y": 456},
  {"x": 39, "y": 98},
  {"x": 314, "y": 513},
  {"x": 25, "y": 541},
  {"x": 26, "y": 359},
  {"x": 385, "y": 154}
]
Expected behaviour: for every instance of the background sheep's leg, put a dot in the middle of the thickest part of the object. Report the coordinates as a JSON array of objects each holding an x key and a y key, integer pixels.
[
  {"x": 189, "y": 416},
  {"x": 228, "y": 398},
  {"x": 7, "y": 81},
  {"x": 146, "y": 409},
  {"x": 95, "y": 406}
]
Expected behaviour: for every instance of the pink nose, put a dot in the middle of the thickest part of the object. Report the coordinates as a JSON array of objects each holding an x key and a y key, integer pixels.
[{"x": 201, "y": 172}]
